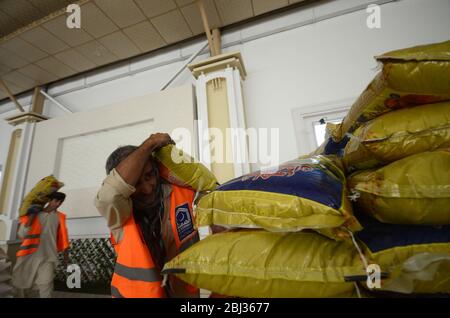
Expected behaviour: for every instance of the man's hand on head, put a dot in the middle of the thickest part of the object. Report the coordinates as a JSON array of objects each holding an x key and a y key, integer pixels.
[{"x": 158, "y": 140}]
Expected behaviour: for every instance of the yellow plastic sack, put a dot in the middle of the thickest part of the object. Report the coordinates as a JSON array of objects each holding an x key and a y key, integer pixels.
[
  {"x": 410, "y": 77},
  {"x": 179, "y": 168},
  {"x": 413, "y": 190},
  {"x": 397, "y": 135},
  {"x": 308, "y": 193},
  {"x": 39, "y": 194},
  {"x": 269, "y": 265},
  {"x": 416, "y": 258}
]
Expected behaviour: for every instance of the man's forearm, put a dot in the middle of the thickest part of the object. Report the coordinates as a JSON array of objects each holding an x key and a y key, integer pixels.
[{"x": 130, "y": 169}]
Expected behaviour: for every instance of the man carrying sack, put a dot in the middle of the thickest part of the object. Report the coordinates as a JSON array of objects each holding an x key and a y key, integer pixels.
[{"x": 44, "y": 234}]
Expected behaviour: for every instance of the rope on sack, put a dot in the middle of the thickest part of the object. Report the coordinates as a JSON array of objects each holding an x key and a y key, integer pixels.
[
  {"x": 361, "y": 254},
  {"x": 363, "y": 259},
  {"x": 197, "y": 192},
  {"x": 357, "y": 290}
]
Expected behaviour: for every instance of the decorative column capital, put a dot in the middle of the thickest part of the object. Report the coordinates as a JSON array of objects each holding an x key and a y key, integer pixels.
[
  {"x": 30, "y": 117},
  {"x": 218, "y": 63}
]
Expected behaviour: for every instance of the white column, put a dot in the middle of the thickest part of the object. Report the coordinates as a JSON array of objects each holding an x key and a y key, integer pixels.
[
  {"x": 229, "y": 67},
  {"x": 19, "y": 171}
]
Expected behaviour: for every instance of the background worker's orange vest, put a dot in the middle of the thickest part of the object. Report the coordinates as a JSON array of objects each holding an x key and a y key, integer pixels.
[
  {"x": 31, "y": 241},
  {"x": 135, "y": 274}
]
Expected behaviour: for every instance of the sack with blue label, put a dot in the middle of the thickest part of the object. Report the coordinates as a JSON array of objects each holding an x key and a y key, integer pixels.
[
  {"x": 416, "y": 258},
  {"x": 308, "y": 193}
]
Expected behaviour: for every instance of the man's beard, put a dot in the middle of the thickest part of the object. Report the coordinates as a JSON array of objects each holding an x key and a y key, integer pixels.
[
  {"x": 148, "y": 216},
  {"x": 141, "y": 205}
]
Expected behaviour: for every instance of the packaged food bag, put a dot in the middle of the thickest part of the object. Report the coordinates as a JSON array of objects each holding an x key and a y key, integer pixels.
[
  {"x": 262, "y": 264},
  {"x": 38, "y": 196},
  {"x": 398, "y": 134},
  {"x": 415, "y": 257},
  {"x": 308, "y": 193},
  {"x": 412, "y": 190},
  {"x": 181, "y": 169},
  {"x": 410, "y": 77}
]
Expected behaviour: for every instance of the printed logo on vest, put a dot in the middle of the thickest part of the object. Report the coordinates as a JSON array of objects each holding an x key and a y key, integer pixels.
[{"x": 184, "y": 222}]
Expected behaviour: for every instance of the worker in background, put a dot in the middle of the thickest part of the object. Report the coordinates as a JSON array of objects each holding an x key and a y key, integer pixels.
[
  {"x": 43, "y": 234},
  {"x": 150, "y": 221}
]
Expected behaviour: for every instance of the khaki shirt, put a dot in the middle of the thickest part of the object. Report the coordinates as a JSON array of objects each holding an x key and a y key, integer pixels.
[{"x": 114, "y": 203}]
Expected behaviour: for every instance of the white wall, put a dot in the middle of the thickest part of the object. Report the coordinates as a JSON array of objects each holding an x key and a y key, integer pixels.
[
  {"x": 313, "y": 64},
  {"x": 330, "y": 61}
]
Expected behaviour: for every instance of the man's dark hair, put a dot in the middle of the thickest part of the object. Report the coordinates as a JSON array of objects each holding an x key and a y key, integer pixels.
[
  {"x": 117, "y": 156},
  {"x": 58, "y": 196}
]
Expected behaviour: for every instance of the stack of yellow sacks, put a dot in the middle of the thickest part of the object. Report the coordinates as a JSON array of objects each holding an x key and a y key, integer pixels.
[
  {"x": 274, "y": 248},
  {"x": 398, "y": 160},
  {"x": 299, "y": 220},
  {"x": 38, "y": 197}
]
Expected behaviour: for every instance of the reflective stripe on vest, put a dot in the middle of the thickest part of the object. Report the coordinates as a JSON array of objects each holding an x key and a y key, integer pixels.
[
  {"x": 135, "y": 275},
  {"x": 32, "y": 240},
  {"x": 141, "y": 274},
  {"x": 27, "y": 247},
  {"x": 115, "y": 293}
]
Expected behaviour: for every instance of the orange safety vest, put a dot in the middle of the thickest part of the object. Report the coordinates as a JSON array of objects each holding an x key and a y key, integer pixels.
[
  {"x": 31, "y": 241},
  {"x": 135, "y": 274}
]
